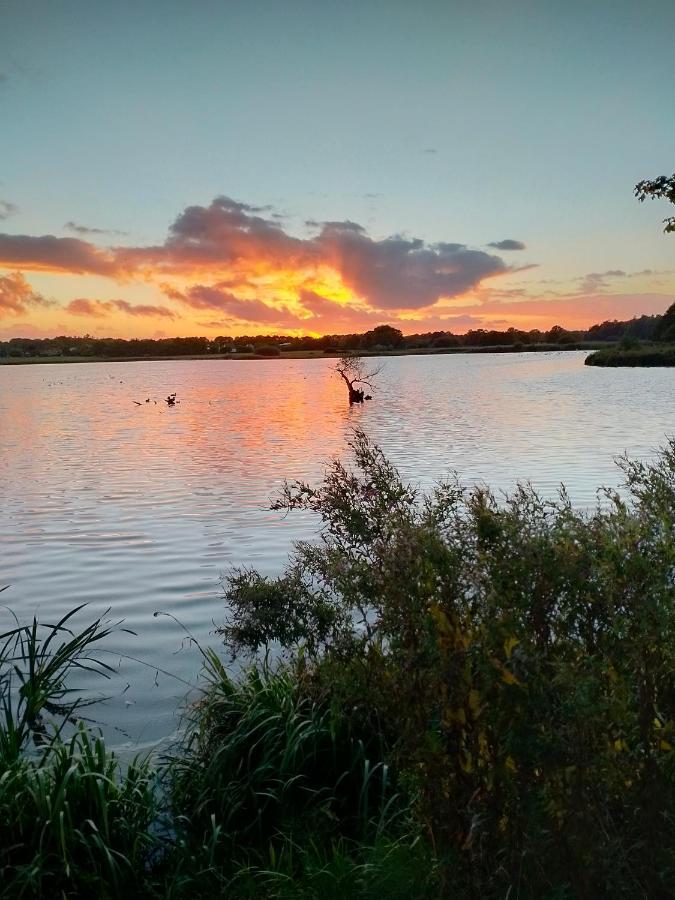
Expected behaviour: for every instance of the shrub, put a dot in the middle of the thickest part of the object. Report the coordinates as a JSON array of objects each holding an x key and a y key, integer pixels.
[
  {"x": 267, "y": 350},
  {"x": 642, "y": 355},
  {"x": 515, "y": 660}
]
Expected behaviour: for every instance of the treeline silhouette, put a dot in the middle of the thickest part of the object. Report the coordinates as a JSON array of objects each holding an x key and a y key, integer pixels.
[{"x": 383, "y": 337}]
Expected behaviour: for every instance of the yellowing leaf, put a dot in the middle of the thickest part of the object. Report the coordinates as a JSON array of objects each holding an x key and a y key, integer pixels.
[
  {"x": 509, "y": 644},
  {"x": 507, "y": 676},
  {"x": 474, "y": 702}
]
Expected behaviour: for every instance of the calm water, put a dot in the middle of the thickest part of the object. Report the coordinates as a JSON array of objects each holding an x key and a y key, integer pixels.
[{"x": 142, "y": 508}]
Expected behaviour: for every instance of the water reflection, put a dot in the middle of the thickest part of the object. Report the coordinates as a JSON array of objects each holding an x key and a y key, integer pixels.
[{"x": 142, "y": 507}]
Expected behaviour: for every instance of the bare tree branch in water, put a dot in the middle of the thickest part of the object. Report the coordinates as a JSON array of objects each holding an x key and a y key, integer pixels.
[{"x": 353, "y": 370}]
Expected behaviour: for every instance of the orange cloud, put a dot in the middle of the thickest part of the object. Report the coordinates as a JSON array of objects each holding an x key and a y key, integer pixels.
[
  {"x": 17, "y": 296},
  {"x": 231, "y": 240},
  {"x": 233, "y": 266},
  {"x": 102, "y": 308}
]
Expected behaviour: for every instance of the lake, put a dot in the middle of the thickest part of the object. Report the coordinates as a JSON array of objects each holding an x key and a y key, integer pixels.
[{"x": 143, "y": 508}]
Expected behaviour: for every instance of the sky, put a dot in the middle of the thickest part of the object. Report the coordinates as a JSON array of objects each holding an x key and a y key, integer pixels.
[{"x": 228, "y": 168}]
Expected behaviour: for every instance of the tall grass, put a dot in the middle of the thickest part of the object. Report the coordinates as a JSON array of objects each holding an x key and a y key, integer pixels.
[
  {"x": 35, "y": 662},
  {"x": 270, "y": 778},
  {"x": 71, "y": 822}
]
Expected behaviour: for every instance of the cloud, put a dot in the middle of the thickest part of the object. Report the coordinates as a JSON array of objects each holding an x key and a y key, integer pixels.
[
  {"x": 233, "y": 243},
  {"x": 17, "y": 296},
  {"x": 344, "y": 225},
  {"x": 144, "y": 309},
  {"x": 99, "y": 309},
  {"x": 85, "y": 229},
  {"x": 225, "y": 235},
  {"x": 507, "y": 244},
  {"x": 7, "y": 209},
  {"x": 597, "y": 281},
  {"x": 203, "y": 297},
  {"x": 54, "y": 254},
  {"x": 328, "y": 315},
  {"x": 392, "y": 273},
  {"x": 400, "y": 273}
]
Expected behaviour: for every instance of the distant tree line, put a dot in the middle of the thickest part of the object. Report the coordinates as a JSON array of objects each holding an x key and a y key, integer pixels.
[{"x": 383, "y": 337}]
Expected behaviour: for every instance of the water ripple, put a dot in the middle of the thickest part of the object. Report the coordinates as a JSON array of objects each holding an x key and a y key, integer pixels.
[{"x": 143, "y": 508}]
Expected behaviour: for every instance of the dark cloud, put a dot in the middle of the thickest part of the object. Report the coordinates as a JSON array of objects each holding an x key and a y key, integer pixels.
[
  {"x": 54, "y": 254},
  {"x": 400, "y": 273},
  {"x": 507, "y": 244},
  {"x": 85, "y": 229},
  {"x": 343, "y": 225},
  {"x": 7, "y": 209},
  {"x": 17, "y": 296}
]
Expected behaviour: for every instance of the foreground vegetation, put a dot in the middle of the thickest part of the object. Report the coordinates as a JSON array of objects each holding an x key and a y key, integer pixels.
[{"x": 470, "y": 698}]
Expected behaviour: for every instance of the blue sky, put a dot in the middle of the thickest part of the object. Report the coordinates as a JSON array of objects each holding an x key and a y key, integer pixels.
[{"x": 450, "y": 122}]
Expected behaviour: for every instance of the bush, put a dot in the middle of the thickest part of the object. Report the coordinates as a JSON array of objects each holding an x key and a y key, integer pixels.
[
  {"x": 654, "y": 355},
  {"x": 267, "y": 350},
  {"x": 515, "y": 660}
]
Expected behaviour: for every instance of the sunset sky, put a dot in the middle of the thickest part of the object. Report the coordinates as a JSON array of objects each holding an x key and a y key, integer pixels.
[{"x": 207, "y": 168}]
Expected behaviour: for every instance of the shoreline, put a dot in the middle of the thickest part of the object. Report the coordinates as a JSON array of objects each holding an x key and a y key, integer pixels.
[{"x": 588, "y": 346}]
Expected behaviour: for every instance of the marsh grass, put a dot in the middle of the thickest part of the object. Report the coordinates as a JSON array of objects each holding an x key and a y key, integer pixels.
[
  {"x": 72, "y": 823},
  {"x": 35, "y": 663}
]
